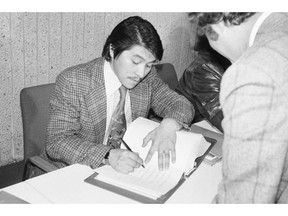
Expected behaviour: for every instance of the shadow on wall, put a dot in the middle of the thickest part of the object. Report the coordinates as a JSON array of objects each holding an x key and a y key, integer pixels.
[{"x": 184, "y": 51}]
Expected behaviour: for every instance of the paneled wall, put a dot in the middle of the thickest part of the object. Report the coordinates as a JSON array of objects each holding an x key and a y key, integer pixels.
[{"x": 35, "y": 47}]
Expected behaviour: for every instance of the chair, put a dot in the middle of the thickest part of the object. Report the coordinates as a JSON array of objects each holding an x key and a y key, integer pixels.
[
  {"x": 168, "y": 74},
  {"x": 35, "y": 108},
  {"x": 34, "y": 102}
]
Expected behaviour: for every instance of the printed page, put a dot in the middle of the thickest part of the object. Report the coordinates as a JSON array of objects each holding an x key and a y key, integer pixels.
[
  {"x": 148, "y": 181},
  {"x": 188, "y": 145}
]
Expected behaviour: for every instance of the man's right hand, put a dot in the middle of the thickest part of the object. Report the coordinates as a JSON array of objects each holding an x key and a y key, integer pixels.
[{"x": 124, "y": 161}]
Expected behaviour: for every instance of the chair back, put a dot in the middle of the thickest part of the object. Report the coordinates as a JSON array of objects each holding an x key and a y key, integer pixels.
[
  {"x": 35, "y": 109},
  {"x": 168, "y": 74}
]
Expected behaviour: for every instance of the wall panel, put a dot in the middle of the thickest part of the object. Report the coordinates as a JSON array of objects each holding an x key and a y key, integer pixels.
[
  {"x": 78, "y": 37},
  {"x": 55, "y": 34},
  {"x": 6, "y": 150},
  {"x": 66, "y": 40},
  {"x": 88, "y": 41},
  {"x": 30, "y": 49},
  {"x": 18, "y": 81},
  {"x": 43, "y": 47},
  {"x": 99, "y": 37}
]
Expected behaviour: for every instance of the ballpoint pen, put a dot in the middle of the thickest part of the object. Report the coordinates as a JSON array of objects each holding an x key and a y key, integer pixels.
[{"x": 128, "y": 148}]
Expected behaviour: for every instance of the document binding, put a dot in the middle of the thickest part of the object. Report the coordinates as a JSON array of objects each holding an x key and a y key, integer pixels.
[
  {"x": 7, "y": 198},
  {"x": 130, "y": 194},
  {"x": 92, "y": 179}
]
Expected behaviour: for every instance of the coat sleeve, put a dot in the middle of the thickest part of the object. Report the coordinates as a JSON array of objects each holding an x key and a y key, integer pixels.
[
  {"x": 64, "y": 143},
  {"x": 168, "y": 103},
  {"x": 255, "y": 140}
]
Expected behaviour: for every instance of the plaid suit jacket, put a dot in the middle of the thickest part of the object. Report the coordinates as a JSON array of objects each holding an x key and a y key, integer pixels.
[
  {"x": 254, "y": 97},
  {"x": 77, "y": 122}
]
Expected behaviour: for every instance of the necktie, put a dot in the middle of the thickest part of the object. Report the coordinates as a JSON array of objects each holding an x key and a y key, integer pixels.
[{"x": 118, "y": 121}]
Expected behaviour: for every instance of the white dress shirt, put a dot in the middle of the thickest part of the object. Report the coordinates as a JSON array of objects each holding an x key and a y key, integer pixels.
[
  {"x": 112, "y": 84},
  {"x": 256, "y": 27}
]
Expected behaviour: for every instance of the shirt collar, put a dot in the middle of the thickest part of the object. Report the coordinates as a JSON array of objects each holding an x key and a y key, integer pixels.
[
  {"x": 112, "y": 82},
  {"x": 256, "y": 27}
]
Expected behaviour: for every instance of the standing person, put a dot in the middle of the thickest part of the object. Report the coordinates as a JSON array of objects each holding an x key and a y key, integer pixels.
[
  {"x": 86, "y": 96},
  {"x": 200, "y": 83},
  {"x": 254, "y": 100}
]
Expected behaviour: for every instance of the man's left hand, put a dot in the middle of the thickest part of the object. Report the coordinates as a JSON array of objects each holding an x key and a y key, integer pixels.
[{"x": 163, "y": 140}]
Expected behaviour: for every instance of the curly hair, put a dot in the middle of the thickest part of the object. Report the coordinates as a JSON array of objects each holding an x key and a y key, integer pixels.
[{"x": 205, "y": 20}]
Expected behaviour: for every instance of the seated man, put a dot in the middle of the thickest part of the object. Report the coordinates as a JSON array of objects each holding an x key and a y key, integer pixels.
[
  {"x": 81, "y": 126},
  {"x": 200, "y": 83}
]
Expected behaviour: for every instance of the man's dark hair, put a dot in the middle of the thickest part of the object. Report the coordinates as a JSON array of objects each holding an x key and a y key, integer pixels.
[
  {"x": 204, "y": 21},
  {"x": 130, "y": 32}
]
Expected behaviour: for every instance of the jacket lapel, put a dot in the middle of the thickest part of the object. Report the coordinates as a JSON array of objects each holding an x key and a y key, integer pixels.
[{"x": 96, "y": 99}]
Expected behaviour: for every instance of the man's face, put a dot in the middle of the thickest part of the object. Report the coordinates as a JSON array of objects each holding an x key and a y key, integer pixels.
[
  {"x": 229, "y": 43},
  {"x": 131, "y": 66}
]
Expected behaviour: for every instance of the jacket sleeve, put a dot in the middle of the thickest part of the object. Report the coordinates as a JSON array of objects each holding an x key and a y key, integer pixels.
[
  {"x": 64, "y": 143},
  {"x": 168, "y": 104},
  {"x": 255, "y": 140}
]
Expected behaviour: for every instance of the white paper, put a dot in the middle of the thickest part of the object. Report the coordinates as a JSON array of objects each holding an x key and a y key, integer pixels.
[{"x": 149, "y": 181}]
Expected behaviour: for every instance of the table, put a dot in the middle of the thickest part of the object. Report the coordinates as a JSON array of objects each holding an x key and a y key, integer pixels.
[{"x": 67, "y": 185}]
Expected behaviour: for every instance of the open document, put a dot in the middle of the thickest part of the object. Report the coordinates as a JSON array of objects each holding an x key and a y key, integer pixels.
[{"x": 149, "y": 181}]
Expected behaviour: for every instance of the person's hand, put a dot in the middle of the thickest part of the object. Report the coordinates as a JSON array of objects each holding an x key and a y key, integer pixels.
[
  {"x": 124, "y": 161},
  {"x": 163, "y": 140}
]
